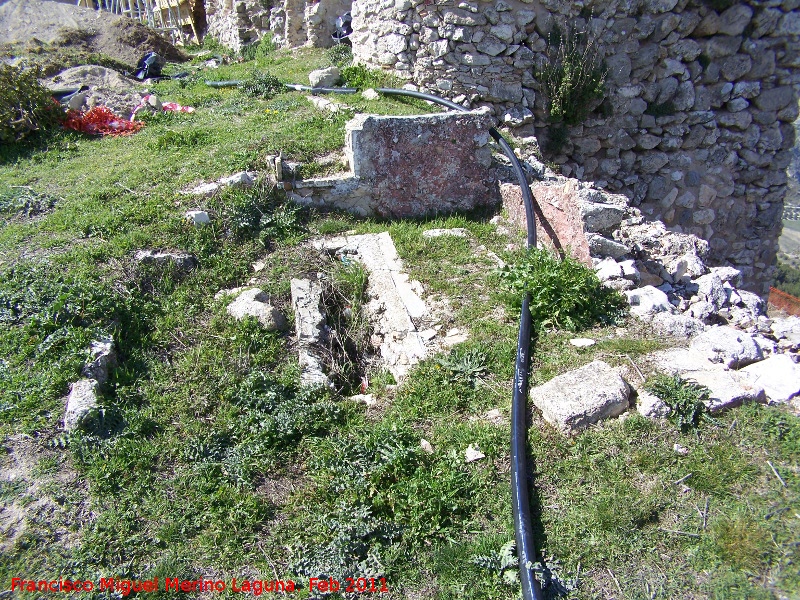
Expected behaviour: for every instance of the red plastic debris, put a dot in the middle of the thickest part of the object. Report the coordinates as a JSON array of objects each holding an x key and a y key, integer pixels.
[{"x": 100, "y": 120}]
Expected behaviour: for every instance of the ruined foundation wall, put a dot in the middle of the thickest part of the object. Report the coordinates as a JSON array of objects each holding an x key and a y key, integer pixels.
[{"x": 697, "y": 123}]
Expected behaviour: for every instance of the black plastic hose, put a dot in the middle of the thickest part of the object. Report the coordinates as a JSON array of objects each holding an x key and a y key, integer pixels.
[
  {"x": 321, "y": 90},
  {"x": 228, "y": 83},
  {"x": 520, "y": 499}
]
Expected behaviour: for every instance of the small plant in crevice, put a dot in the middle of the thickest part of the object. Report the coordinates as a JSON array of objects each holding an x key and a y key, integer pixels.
[
  {"x": 686, "y": 399},
  {"x": 557, "y": 138},
  {"x": 574, "y": 77},
  {"x": 347, "y": 350},
  {"x": 664, "y": 109},
  {"x": 564, "y": 294}
]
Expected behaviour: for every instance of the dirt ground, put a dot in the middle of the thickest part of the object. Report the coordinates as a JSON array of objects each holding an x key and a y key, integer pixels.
[{"x": 120, "y": 38}]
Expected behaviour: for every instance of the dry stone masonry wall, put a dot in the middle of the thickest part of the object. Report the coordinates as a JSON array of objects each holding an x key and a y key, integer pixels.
[
  {"x": 236, "y": 23},
  {"x": 696, "y": 126}
]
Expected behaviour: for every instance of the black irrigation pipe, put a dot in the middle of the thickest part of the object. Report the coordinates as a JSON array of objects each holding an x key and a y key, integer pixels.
[{"x": 520, "y": 499}]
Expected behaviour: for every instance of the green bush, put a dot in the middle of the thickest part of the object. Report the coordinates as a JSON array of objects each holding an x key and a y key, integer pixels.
[
  {"x": 574, "y": 78},
  {"x": 565, "y": 294},
  {"x": 788, "y": 279},
  {"x": 359, "y": 76},
  {"x": 25, "y": 105},
  {"x": 340, "y": 55},
  {"x": 262, "y": 84}
]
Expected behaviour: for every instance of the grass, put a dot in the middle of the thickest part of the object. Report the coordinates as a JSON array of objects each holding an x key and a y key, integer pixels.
[{"x": 226, "y": 467}]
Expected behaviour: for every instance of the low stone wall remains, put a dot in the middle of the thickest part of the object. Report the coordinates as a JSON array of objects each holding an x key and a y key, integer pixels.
[{"x": 696, "y": 127}]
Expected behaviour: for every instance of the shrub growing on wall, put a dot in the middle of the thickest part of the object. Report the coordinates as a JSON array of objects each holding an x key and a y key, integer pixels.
[
  {"x": 25, "y": 105},
  {"x": 574, "y": 78}
]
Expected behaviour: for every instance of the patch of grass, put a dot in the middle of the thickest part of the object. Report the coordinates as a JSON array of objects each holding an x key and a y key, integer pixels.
[
  {"x": 340, "y": 55},
  {"x": 25, "y": 201},
  {"x": 359, "y": 76}
]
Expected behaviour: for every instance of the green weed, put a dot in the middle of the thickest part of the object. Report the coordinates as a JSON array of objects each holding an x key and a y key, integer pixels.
[
  {"x": 564, "y": 293},
  {"x": 340, "y": 55},
  {"x": 685, "y": 398},
  {"x": 263, "y": 85},
  {"x": 575, "y": 75},
  {"x": 359, "y": 76}
]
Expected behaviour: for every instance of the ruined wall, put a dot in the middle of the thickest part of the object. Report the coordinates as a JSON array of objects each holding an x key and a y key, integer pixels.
[
  {"x": 236, "y": 23},
  {"x": 697, "y": 123}
]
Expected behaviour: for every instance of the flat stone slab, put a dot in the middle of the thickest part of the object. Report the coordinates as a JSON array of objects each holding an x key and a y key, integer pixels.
[
  {"x": 309, "y": 323},
  {"x": 577, "y": 399},
  {"x": 394, "y": 302},
  {"x": 728, "y": 346},
  {"x": 779, "y": 375},
  {"x": 729, "y": 389}
]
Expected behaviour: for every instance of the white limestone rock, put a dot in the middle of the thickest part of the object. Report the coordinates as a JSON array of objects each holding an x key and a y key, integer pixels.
[
  {"x": 324, "y": 77},
  {"x": 602, "y": 246},
  {"x": 729, "y": 389},
  {"x": 181, "y": 260},
  {"x": 607, "y": 269},
  {"x": 648, "y": 300},
  {"x": 679, "y": 326},
  {"x": 573, "y": 401},
  {"x": 455, "y": 232},
  {"x": 787, "y": 329},
  {"x": 727, "y": 346},
  {"x": 82, "y": 401},
  {"x": 473, "y": 453},
  {"x": 255, "y": 303},
  {"x": 102, "y": 359},
  {"x": 779, "y": 375},
  {"x": 651, "y": 406},
  {"x": 198, "y": 217}
]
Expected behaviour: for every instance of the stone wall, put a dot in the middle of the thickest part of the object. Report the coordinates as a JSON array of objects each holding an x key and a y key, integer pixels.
[
  {"x": 697, "y": 123},
  {"x": 410, "y": 166},
  {"x": 236, "y": 23}
]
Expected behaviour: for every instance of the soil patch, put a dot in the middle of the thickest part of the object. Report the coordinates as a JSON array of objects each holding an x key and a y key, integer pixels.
[
  {"x": 67, "y": 26},
  {"x": 106, "y": 87}
]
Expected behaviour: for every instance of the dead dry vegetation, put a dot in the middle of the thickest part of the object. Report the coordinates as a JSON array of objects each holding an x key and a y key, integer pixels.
[{"x": 224, "y": 466}]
